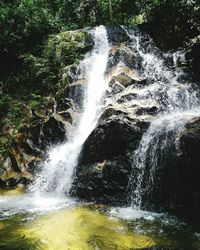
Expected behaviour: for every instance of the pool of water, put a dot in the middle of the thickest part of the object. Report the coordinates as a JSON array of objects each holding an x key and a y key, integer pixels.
[{"x": 52, "y": 223}]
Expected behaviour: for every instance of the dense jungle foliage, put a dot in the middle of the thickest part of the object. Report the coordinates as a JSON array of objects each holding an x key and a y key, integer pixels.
[{"x": 26, "y": 72}]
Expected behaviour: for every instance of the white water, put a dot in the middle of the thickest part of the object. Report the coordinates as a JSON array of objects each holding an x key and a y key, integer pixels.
[
  {"x": 178, "y": 103},
  {"x": 160, "y": 136},
  {"x": 57, "y": 172},
  {"x": 11, "y": 205}
]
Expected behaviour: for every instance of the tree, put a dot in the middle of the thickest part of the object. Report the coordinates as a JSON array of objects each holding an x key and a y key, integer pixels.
[{"x": 110, "y": 11}]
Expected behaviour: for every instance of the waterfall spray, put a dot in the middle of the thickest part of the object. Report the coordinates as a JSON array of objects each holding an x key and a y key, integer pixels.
[
  {"x": 57, "y": 171},
  {"x": 178, "y": 103}
]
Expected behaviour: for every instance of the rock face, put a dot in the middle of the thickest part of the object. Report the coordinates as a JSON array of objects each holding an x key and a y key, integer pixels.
[
  {"x": 29, "y": 146},
  {"x": 176, "y": 182},
  {"x": 188, "y": 188},
  {"x": 105, "y": 164},
  {"x": 48, "y": 124}
]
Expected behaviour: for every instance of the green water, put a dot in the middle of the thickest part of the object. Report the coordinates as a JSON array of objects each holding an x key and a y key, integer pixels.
[{"x": 92, "y": 227}]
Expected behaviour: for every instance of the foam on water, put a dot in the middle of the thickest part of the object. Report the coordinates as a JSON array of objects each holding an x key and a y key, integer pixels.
[{"x": 11, "y": 205}]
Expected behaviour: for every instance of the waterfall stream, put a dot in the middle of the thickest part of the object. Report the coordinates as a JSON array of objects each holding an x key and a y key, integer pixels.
[
  {"x": 178, "y": 102},
  {"x": 138, "y": 95},
  {"x": 57, "y": 172}
]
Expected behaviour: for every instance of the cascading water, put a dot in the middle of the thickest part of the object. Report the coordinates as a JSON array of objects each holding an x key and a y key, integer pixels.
[
  {"x": 57, "y": 172},
  {"x": 177, "y": 104},
  {"x": 77, "y": 226}
]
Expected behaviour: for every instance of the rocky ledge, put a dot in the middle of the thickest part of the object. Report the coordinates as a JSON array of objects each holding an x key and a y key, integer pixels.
[
  {"x": 49, "y": 123},
  {"x": 106, "y": 161}
]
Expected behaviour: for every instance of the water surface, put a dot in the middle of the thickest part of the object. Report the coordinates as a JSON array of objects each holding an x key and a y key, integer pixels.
[{"x": 55, "y": 223}]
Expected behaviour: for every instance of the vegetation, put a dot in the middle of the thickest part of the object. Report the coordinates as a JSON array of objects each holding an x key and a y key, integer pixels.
[{"x": 28, "y": 67}]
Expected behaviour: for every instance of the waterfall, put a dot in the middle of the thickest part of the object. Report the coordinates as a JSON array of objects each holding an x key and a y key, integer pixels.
[
  {"x": 178, "y": 102},
  {"x": 57, "y": 171}
]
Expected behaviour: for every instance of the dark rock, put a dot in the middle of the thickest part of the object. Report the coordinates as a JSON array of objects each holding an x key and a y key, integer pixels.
[
  {"x": 193, "y": 60},
  {"x": 33, "y": 133},
  {"x": 126, "y": 98},
  {"x": 64, "y": 104},
  {"x": 104, "y": 181},
  {"x": 2, "y": 184},
  {"x": 176, "y": 182},
  {"x": 116, "y": 34},
  {"x": 15, "y": 166},
  {"x": 105, "y": 164},
  {"x": 33, "y": 166},
  {"x": 53, "y": 132},
  {"x": 123, "y": 54},
  {"x": 115, "y": 86},
  {"x": 188, "y": 193},
  {"x": 70, "y": 74},
  {"x": 110, "y": 111},
  {"x": 66, "y": 116},
  {"x": 30, "y": 149},
  {"x": 110, "y": 138},
  {"x": 124, "y": 80},
  {"x": 149, "y": 110},
  {"x": 76, "y": 92}
]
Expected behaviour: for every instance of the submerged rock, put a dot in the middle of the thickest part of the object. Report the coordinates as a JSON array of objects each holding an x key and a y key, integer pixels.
[{"x": 77, "y": 228}]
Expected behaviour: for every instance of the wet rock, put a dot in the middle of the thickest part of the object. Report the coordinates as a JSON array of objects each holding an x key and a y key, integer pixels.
[
  {"x": 104, "y": 181},
  {"x": 149, "y": 110},
  {"x": 105, "y": 163},
  {"x": 76, "y": 92},
  {"x": 124, "y": 79},
  {"x": 66, "y": 116},
  {"x": 193, "y": 60},
  {"x": 110, "y": 138},
  {"x": 70, "y": 74},
  {"x": 126, "y": 98},
  {"x": 115, "y": 86},
  {"x": 176, "y": 182},
  {"x": 27, "y": 150},
  {"x": 63, "y": 104},
  {"x": 123, "y": 55},
  {"x": 116, "y": 34},
  {"x": 53, "y": 132},
  {"x": 111, "y": 111},
  {"x": 188, "y": 193}
]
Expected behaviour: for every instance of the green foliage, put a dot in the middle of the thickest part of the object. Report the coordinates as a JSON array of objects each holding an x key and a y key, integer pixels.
[
  {"x": 65, "y": 48},
  {"x": 5, "y": 142},
  {"x": 172, "y": 23},
  {"x": 35, "y": 101},
  {"x": 4, "y": 104},
  {"x": 24, "y": 23},
  {"x": 31, "y": 57},
  {"x": 15, "y": 112}
]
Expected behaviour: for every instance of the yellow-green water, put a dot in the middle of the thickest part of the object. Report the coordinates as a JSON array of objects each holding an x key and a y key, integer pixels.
[{"x": 88, "y": 227}]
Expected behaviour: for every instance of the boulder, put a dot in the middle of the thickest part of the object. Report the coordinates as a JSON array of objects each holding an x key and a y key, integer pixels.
[
  {"x": 188, "y": 184},
  {"x": 176, "y": 186},
  {"x": 104, "y": 181},
  {"x": 110, "y": 138},
  {"x": 116, "y": 34},
  {"x": 105, "y": 164}
]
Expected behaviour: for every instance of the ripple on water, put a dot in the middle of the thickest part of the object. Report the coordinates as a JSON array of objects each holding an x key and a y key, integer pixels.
[{"x": 51, "y": 223}]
